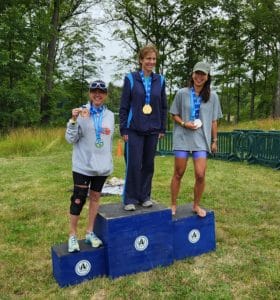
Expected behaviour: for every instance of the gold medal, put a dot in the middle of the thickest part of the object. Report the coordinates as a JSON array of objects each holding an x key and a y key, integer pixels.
[{"x": 147, "y": 109}]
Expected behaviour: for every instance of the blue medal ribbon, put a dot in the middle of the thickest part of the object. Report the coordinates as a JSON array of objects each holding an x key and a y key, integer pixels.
[
  {"x": 147, "y": 83},
  {"x": 97, "y": 116},
  {"x": 194, "y": 105}
]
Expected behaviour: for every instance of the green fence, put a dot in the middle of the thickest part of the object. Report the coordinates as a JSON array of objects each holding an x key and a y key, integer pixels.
[
  {"x": 265, "y": 149},
  {"x": 226, "y": 146},
  {"x": 164, "y": 146},
  {"x": 253, "y": 146}
]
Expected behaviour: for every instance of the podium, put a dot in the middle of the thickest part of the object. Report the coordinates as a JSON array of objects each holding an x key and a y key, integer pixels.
[
  {"x": 135, "y": 241},
  {"x": 73, "y": 268},
  {"x": 192, "y": 235}
]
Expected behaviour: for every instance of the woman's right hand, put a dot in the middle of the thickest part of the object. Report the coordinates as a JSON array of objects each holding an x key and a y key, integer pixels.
[
  {"x": 125, "y": 137},
  {"x": 75, "y": 113},
  {"x": 190, "y": 125}
]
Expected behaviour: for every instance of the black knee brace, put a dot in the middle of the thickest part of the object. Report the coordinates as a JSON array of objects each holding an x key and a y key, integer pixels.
[{"x": 78, "y": 199}]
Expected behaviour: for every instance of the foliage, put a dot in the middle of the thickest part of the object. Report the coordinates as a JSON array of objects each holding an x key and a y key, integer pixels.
[
  {"x": 38, "y": 55},
  {"x": 178, "y": 29},
  {"x": 114, "y": 95},
  {"x": 240, "y": 38},
  {"x": 48, "y": 52}
]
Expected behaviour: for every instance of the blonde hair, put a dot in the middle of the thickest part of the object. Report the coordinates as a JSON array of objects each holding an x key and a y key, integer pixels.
[{"x": 145, "y": 50}]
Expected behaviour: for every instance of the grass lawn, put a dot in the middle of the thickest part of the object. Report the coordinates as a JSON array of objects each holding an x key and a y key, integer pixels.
[{"x": 34, "y": 198}]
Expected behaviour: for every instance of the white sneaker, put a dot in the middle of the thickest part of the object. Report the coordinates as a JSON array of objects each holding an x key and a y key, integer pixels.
[
  {"x": 93, "y": 240},
  {"x": 147, "y": 203},
  {"x": 129, "y": 207},
  {"x": 73, "y": 244}
]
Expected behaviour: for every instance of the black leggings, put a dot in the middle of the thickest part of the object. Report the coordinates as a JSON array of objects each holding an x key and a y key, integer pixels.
[{"x": 96, "y": 182}]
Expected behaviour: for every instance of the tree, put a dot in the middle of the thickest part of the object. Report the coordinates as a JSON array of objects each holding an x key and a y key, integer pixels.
[
  {"x": 77, "y": 50},
  {"x": 273, "y": 8},
  {"x": 17, "y": 43},
  {"x": 262, "y": 36},
  {"x": 61, "y": 11},
  {"x": 50, "y": 62},
  {"x": 233, "y": 50},
  {"x": 34, "y": 37},
  {"x": 180, "y": 30}
]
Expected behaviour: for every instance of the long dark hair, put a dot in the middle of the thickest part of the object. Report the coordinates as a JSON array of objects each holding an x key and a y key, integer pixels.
[{"x": 205, "y": 92}]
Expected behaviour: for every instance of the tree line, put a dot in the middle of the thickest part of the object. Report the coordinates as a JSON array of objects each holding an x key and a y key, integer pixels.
[{"x": 48, "y": 52}]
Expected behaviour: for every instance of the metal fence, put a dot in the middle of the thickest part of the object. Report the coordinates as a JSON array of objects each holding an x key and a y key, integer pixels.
[
  {"x": 253, "y": 146},
  {"x": 164, "y": 146}
]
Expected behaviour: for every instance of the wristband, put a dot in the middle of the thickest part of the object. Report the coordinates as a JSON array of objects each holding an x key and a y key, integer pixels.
[{"x": 182, "y": 124}]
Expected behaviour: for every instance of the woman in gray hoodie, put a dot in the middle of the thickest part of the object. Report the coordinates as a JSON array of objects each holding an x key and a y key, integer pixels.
[{"x": 90, "y": 130}]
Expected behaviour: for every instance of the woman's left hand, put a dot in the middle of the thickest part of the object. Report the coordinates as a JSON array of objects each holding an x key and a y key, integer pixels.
[
  {"x": 106, "y": 130},
  {"x": 161, "y": 135},
  {"x": 214, "y": 147}
]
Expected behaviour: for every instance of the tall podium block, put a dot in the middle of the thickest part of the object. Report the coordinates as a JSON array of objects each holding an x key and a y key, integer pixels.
[
  {"x": 135, "y": 241},
  {"x": 192, "y": 235},
  {"x": 73, "y": 268}
]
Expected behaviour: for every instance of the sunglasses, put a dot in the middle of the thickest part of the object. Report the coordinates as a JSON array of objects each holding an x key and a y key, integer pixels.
[{"x": 98, "y": 85}]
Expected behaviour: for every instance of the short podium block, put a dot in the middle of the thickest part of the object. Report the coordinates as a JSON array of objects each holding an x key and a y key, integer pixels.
[
  {"x": 192, "y": 235},
  {"x": 135, "y": 241},
  {"x": 73, "y": 268}
]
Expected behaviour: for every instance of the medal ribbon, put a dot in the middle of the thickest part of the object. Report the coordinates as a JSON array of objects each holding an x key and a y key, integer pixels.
[
  {"x": 194, "y": 105},
  {"x": 97, "y": 116},
  {"x": 147, "y": 86}
]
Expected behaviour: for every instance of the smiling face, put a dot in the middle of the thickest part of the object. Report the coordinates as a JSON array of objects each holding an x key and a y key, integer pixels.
[
  {"x": 199, "y": 79},
  {"x": 148, "y": 62},
  {"x": 97, "y": 97}
]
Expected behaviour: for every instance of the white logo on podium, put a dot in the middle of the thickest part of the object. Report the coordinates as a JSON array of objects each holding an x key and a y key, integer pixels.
[
  {"x": 141, "y": 243},
  {"x": 82, "y": 267},
  {"x": 194, "y": 236}
]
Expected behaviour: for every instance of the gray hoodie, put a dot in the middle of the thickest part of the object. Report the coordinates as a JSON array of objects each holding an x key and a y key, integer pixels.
[{"x": 87, "y": 159}]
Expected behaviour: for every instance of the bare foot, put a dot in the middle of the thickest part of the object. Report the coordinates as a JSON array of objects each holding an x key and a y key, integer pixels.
[
  {"x": 199, "y": 211},
  {"x": 173, "y": 208}
]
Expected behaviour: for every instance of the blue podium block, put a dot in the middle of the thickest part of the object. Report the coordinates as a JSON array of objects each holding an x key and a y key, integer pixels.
[
  {"x": 73, "y": 268},
  {"x": 192, "y": 235},
  {"x": 135, "y": 241}
]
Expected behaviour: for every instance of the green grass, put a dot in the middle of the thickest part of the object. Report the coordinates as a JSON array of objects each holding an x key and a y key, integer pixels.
[
  {"x": 263, "y": 124},
  {"x": 32, "y": 141},
  {"x": 34, "y": 199}
]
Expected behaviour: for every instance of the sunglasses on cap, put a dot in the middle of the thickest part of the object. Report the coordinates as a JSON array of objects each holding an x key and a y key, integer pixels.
[{"x": 98, "y": 85}]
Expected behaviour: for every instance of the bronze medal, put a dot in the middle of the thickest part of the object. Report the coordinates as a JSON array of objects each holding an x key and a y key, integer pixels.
[
  {"x": 99, "y": 143},
  {"x": 147, "y": 109},
  {"x": 85, "y": 112}
]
